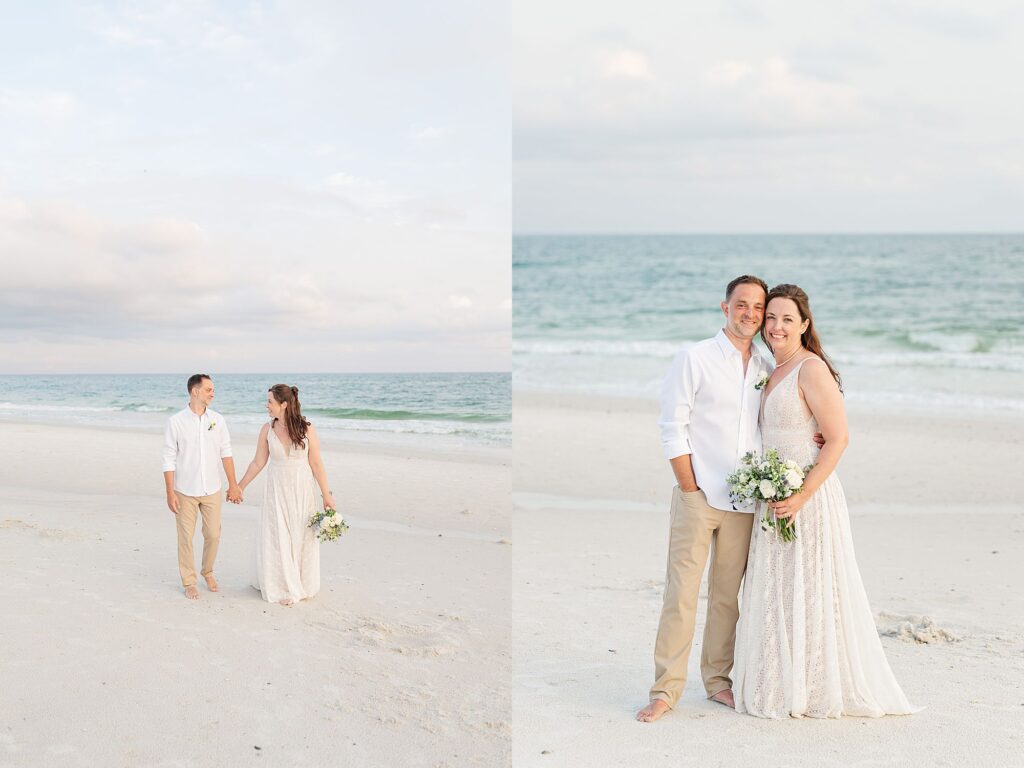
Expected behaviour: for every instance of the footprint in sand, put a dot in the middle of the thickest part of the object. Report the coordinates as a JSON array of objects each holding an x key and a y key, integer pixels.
[{"x": 406, "y": 639}]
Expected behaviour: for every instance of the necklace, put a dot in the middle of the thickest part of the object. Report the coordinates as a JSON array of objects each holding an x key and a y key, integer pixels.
[{"x": 779, "y": 365}]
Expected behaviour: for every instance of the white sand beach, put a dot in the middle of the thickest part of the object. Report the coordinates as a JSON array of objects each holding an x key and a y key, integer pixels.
[
  {"x": 402, "y": 659},
  {"x": 939, "y": 533}
]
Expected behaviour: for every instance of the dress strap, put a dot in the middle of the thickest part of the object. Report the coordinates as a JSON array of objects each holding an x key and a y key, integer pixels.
[{"x": 811, "y": 357}]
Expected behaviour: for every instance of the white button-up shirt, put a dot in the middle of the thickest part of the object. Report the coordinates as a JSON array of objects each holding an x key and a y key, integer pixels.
[
  {"x": 193, "y": 449},
  {"x": 709, "y": 410}
]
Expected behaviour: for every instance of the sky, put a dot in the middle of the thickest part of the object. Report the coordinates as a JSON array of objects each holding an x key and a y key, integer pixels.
[
  {"x": 247, "y": 187},
  {"x": 768, "y": 117}
]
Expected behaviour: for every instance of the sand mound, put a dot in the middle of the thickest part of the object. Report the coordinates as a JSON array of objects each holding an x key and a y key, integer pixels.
[{"x": 915, "y": 629}]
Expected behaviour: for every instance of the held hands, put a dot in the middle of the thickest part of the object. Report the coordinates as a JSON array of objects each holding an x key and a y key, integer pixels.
[
  {"x": 235, "y": 494},
  {"x": 819, "y": 439}
]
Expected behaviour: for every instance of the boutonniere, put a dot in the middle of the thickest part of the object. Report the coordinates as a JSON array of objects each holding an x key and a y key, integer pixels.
[
  {"x": 762, "y": 383},
  {"x": 212, "y": 425}
]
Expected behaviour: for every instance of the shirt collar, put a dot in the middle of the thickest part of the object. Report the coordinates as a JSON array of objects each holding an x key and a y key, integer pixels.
[
  {"x": 206, "y": 414},
  {"x": 724, "y": 344},
  {"x": 728, "y": 348}
]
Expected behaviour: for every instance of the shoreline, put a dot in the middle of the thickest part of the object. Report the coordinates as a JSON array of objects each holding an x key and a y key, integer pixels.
[
  {"x": 587, "y": 401},
  {"x": 329, "y": 440},
  {"x": 604, "y": 448}
]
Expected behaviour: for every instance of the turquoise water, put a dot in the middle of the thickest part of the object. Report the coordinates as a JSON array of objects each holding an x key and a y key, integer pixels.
[
  {"x": 446, "y": 408},
  {"x": 927, "y": 320}
]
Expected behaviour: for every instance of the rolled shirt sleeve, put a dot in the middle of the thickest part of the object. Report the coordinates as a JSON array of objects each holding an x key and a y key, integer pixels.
[
  {"x": 170, "y": 451},
  {"x": 677, "y": 398},
  {"x": 225, "y": 440}
]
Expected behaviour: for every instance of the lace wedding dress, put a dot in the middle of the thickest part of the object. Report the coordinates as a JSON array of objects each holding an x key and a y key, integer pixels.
[
  {"x": 287, "y": 550},
  {"x": 806, "y": 643}
]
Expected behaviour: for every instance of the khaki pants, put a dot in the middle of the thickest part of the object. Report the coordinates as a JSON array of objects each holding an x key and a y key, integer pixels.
[
  {"x": 188, "y": 507},
  {"x": 697, "y": 528}
]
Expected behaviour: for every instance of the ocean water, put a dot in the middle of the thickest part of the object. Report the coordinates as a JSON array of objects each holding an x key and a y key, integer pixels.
[
  {"x": 449, "y": 410},
  {"x": 928, "y": 321}
]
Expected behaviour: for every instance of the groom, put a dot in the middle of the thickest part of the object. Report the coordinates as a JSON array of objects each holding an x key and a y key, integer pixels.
[
  {"x": 194, "y": 440},
  {"x": 709, "y": 408}
]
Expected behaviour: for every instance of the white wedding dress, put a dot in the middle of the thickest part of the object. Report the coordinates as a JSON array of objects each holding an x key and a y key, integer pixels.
[
  {"x": 806, "y": 643},
  {"x": 287, "y": 550}
]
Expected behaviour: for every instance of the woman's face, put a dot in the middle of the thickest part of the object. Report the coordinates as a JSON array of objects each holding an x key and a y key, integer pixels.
[
  {"x": 782, "y": 325},
  {"x": 274, "y": 408}
]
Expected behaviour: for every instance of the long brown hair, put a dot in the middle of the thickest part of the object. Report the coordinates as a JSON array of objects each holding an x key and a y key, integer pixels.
[
  {"x": 809, "y": 339},
  {"x": 293, "y": 419}
]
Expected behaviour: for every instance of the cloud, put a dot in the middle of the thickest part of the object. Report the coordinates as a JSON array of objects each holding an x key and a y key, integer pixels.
[
  {"x": 71, "y": 273},
  {"x": 173, "y": 29},
  {"x": 328, "y": 205},
  {"x": 365, "y": 194},
  {"x": 627, "y": 64},
  {"x": 125, "y": 35},
  {"x": 728, "y": 74},
  {"x": 695, "y": 119},
  {"x": 45, "y": 105},
  {"x": 382, "y": 201},
  {"x": 955, "y": 22},
  {"x": 430, "y": 133},
  {"x": 770, "y": 94}
]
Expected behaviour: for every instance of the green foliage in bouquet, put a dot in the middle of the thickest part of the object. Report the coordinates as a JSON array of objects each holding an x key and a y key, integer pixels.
[
  {"x": 329, "y": 524},
  {"x": 768, "y": 479}
]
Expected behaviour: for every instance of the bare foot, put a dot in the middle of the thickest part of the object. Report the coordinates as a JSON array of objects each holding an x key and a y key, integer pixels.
[
  {"x": 287, "y": 601},
  {"x": 192, "y": 593},
  {"x": 725, "y": 697},
  {"x": 211, "y": 582},
  {"x": 652, "y": 711}
]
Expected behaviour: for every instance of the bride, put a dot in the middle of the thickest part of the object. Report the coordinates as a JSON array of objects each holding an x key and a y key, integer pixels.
[
  {"x": 806, "y": 643},
  {"x": 287, "y": 551}
]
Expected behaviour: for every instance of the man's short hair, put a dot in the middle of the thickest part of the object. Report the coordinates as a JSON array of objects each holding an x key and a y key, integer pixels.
[
  {"x": 745, "y": 280},
  {"x": 195, "y": 380}
]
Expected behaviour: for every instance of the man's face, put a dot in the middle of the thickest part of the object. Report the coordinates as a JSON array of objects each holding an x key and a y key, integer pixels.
[
  {"x": 204, "y": 392},
  {"x": 744, "y": 310}
]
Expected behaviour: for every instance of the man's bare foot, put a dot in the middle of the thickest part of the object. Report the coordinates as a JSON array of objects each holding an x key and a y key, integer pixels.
[
  {"x": 211, "y": 582},
  {"x": 725, "y": 697},
  {"x": 192, "y": 593},
  {"x": 652, "y": 711}
]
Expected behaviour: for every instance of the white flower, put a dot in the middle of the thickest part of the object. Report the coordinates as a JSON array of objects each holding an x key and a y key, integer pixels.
[
  {"x": 331, "y": 520},
  {"x": 794, "y": 478},
  {"x": 766, "y": 488},
  {"x": 790, "y": 464}
]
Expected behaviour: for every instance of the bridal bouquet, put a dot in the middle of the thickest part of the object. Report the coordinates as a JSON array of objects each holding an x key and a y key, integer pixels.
[
  {"x": 329, "y": 524},
  {"x": 768, "y": 479}
]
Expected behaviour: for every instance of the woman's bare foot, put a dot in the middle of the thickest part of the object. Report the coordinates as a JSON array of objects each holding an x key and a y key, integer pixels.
[
  {"x": 287, "y": 601},
  {"x": 211, "y": 582},
  {"x": 192, "y": 593},
  {"x": 652, "y": 711},
  {"x": 725, "y": 697}
]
